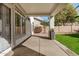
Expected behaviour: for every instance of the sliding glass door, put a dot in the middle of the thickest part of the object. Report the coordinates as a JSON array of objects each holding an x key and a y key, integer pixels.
[
  {"x": 18, "y": 24},
  {"x": 0, "y": 21},
  {"x": 20, "y": 29},
  {"x": 5, "y": 31},
  {"x": 6, "y": 20}
]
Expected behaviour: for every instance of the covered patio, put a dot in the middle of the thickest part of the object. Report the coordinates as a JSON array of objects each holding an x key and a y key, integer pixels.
[
  {"x": 29, "y": 44},
  {"x": 40, "y": 9},
  {"x": 40, "y": 46}
]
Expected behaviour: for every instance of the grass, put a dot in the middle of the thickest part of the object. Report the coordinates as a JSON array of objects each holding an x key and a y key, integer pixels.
[{"x": 69, "y": 40}]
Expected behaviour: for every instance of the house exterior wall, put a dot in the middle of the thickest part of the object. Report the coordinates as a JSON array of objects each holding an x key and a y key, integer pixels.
[
  {"x": 34, "y": 23},
  {"x": 52, "y": 22},
  {"x": 4, "y": 43},
  {"x": 37, "y": 23},
  {"x": 14, "y": 41}
]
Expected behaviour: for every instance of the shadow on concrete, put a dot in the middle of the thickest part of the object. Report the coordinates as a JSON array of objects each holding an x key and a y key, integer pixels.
[
  {"x": 43, "y": 37},
  {"x": 25, "y": 51},
  {"x": 73, "y": 35}
]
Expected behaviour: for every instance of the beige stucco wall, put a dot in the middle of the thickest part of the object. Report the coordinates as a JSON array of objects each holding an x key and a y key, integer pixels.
[
  {"x": 52, "y": 22},
  {"x": 37, "y": 23}
]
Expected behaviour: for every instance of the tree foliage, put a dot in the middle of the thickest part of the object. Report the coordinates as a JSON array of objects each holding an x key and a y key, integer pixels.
[
  {"x": 77, "y": 19},
  {"x": 45, "y": 23},
  {"x": 67, "y": 15}
]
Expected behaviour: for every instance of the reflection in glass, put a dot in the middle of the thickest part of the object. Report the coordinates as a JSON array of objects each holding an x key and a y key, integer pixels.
[
  {"x": 5, "y": 35},
  {"x": 23, "y": 26},
  {"x": 17, "y": 23}
]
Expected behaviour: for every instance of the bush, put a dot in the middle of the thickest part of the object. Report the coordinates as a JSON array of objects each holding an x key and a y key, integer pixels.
[{"x": 38, "y": 29}]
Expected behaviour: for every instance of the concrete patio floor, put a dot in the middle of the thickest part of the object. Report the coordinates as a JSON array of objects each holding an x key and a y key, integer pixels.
[{"x": 38, "y": 46}]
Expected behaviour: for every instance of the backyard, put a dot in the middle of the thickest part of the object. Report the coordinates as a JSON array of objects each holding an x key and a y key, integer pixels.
[{"x": 69, "y": 40}]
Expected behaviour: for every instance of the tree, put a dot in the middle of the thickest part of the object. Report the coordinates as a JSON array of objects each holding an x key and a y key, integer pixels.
[
  {"x": 77, "y": 19},
  {"x": 67, "y": 15}
]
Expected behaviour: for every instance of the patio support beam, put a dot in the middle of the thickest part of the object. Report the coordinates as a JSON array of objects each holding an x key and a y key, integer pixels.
[
  {"x": 51, "y": 26},
  {"x": 32, "y": 24}
]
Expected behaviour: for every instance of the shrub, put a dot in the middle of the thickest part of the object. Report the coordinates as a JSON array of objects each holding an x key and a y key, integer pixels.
[{"x": 38, "y": 29}]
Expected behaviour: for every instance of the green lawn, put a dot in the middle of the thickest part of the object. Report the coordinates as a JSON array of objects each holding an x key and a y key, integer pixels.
[{"x": 69, "y": 40}]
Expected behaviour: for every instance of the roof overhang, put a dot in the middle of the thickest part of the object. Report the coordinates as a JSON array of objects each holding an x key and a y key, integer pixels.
[{"x": 42, "y": 9}]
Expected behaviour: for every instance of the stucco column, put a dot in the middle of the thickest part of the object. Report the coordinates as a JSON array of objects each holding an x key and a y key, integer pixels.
[
  {"x": 12, "y": 25},
  {"x": 32, "y": 25},
  {"x": 51, "y": 27},
  {"x": 21, "y": 24}
]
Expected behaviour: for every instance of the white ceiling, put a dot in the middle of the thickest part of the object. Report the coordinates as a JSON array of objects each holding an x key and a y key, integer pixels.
[{"x": 38, "y": 8}]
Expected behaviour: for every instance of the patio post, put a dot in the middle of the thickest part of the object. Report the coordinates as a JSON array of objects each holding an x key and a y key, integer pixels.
[
  {"x": 32, "y": 25},
  {"x": 51, "y": 27}
]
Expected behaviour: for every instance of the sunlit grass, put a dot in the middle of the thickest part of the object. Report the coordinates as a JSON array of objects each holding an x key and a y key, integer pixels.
[{"x": 69, "y": 40}]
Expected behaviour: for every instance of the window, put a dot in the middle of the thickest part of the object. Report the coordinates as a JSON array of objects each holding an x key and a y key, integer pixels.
[
  {"x": 18, "y": 24},
  {"x": 5, "y": 31},
  {"x": 5, "y": 22},
  {"x": 23, "y": 26},
  {"x": 0, "y": 21}
]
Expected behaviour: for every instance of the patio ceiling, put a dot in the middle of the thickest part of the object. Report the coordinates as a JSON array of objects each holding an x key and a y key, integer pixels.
[{"x": 41, "y": 8}]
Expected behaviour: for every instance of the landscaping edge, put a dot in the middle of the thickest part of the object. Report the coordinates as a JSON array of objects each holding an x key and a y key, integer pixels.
[{"x": 65, "y": 49}]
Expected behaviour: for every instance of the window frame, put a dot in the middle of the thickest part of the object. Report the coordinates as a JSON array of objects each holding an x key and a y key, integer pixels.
[
  {"x": 7, "y": 21},
  {"x": 21, "y": 24}
]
